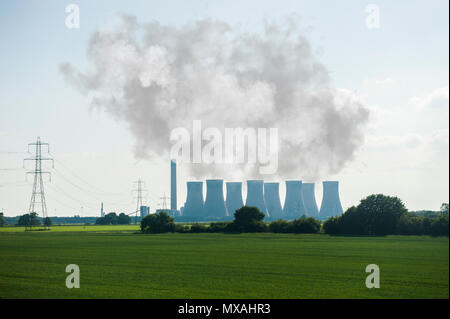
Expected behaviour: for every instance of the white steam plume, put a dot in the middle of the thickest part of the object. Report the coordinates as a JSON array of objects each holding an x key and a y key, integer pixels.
[{"x": 211, "y": 72}]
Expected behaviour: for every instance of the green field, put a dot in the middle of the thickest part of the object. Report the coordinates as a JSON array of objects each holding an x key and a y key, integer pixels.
[{"x": 128, "y": 265}]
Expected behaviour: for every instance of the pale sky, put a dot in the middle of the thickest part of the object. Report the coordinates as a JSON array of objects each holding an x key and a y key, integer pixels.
[{"x": 399, "y": 71}]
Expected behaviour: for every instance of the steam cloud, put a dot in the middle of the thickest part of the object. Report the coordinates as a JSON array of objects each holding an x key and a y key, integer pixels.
[{"x": 212, "y": 72}]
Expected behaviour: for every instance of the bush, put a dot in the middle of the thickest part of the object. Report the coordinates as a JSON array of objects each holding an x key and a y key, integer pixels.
[
  {"x": 331, "y": 226},
  {"x": 157, "y": 223},
  {"x": 439, "y": 226},
  {"x": 182, "y": 229},
  {"x": 197, "y": 228},
  {"x": 47, "y": 221},
  {"x": 305, "y": 225},
  {"x": 218, "y": 227},
  {"x": 279, "y": 226},
  {"x": 2, "y": 220}
]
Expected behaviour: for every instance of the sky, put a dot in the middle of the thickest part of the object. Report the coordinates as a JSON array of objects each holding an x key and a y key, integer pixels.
[{"x": 398, "y": 71}]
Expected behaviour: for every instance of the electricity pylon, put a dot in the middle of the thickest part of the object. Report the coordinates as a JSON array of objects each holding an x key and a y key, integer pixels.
[
  {"x": 38, "y": 195},
  {"x": 164, "y": 203},
  {"x": 139, "y": 191}
]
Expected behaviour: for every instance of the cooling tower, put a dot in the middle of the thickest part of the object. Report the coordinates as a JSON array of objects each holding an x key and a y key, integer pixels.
[
  {"x": 255, "y": 195},
  {"x": 293, "y": 203},
  {"x": 194, "y": 200},
  {"x": 272, "y": 200},
  {"x": 234, "y": 197},
  {"x": 214, "y": 202},
  {"x": 309, "y": 199},
  {"x": 173, "y": 185},
  {"x": 331, "y": 204}
]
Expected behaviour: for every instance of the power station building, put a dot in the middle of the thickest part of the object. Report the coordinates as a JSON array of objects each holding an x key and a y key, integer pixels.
[
  {"x": 272, "y": 200},
  {"x": 234, "y": 197},
  {"x": 214, "y": 203},
  {"x": 173, "y": 185},
  {"x": 144, "y": 210},
  {"x": 300, "y": 199},
  {"x": 331, "y": 204},
  {"x": 173, "y": 211},
  {"x": 309, "y": 200},
  {"x": 194, "y": 200},
  {"x": 255, "y": 195},
  {"x": 293, "y": 204}
]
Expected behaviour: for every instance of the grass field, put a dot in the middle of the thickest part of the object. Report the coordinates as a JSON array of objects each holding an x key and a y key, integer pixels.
[{"x": 128, "y": 265}]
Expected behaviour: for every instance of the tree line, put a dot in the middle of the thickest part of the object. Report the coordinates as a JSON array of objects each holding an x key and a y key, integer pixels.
[
  {"x": 114, "y": 219},
  {"x": 375, "y": 215},
  {"x": 32, "y": 220}
]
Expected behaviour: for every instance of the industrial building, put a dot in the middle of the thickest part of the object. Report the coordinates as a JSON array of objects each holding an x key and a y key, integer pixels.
[
  {"x": 331, "y": 204},
  {"x": 255, "y": 195},
  {"x": 173, "y": 185},
  {"x": 234, "y": 197},
  {"x": 173, "y": 211},
  {"x": 293, "y": 203},
  {"x": 300, "y": 199},
  {"x": 309, "y": 200},
  {"x": 272, "y": 200},
  {"x": 144, "y": 210},
  {"x": 214, "y": 203},
  {"x": 194, "y": 200}
]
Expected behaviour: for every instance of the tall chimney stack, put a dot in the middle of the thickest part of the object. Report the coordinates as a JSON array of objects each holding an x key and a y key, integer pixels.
[{"x": 173, "y": 185}]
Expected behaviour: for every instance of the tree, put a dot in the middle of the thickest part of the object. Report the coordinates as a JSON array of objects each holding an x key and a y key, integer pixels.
[
  {"x": 123, "y": 219},
  {"x": 197, "y": 228},
  {"x": 444, "y": 208},
  {"x": 2, "y": 220},
  {"x": 108, "y": 219},
  {"x": 47, "y": 221},
  {"x": 375, "y": 215},
  {"x": 439, "y": 226},
  {"x": 111, "y": 219},
  {"x": 29, "y": 220},
  {"x": 100, "y": 221},
  {"x": 24, "y": 220},
  {"x": 247, "y": 219},
  {"x": 302, "y": 225},
  {"x": 157, "y": 223},
  {"x": 34, "y": 219}
]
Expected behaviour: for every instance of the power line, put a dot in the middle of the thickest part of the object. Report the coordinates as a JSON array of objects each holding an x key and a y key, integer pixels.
[
  {"x": 58, "y": 189},
  {"x": 86, "y": 191},
  {"x": 13, "y": 184},
  {"x": 102, "y": 193},
  {"x": 98, "y": 189}
]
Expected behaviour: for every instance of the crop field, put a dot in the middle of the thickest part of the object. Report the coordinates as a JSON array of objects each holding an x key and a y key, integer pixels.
[{"x": 123, "y": 264}]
